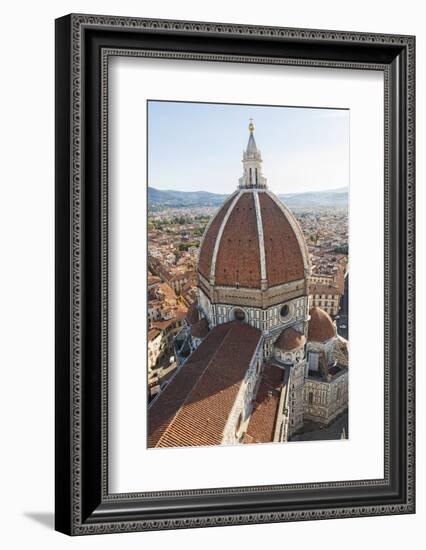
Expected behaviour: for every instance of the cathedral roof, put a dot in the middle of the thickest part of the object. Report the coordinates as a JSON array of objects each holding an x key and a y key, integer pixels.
[
  {"x": 253, "y": 238},
  {"x": 194, "y": 407},
  {"x": 321, "y": 327},
  {"x": 262, "y": 422},
  {"x": 290, "y": 339}
]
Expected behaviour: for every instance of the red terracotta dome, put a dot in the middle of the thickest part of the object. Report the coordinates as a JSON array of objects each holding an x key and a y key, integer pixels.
[
  {"x": 253, "y": 239},
  {"x": 321, "y": 327},
  {"x": 290, "y": 339}
]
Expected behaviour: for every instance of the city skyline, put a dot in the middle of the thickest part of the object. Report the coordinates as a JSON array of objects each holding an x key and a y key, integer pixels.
[
  {"x": 334, "y": 189},
  {"x": 304, "y": 149}
]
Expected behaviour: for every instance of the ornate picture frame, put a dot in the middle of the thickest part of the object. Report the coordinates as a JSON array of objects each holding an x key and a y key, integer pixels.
[{"x": 84, "y": 44}]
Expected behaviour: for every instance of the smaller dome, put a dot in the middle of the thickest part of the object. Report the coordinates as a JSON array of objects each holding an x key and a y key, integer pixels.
[
  {"x": 290, "y": 339},
  {"x": 200, "y": 329},
  {"x": 321, "y": 327}
]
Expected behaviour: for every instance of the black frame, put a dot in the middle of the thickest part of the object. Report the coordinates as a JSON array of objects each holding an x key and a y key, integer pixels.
[{"x": 83, "y": 45}]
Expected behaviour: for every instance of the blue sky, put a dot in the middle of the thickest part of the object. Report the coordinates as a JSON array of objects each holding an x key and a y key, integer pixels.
[{"x": 198, "y": 146}]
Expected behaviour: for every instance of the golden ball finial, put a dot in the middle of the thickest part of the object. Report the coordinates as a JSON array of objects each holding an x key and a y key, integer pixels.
[{"x": 251, "y": 126}]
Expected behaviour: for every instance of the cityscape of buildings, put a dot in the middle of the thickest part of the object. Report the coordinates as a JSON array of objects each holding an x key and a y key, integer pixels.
[
  {"x": 174, "y": 237},
  {"x": 183, "y": 312}
]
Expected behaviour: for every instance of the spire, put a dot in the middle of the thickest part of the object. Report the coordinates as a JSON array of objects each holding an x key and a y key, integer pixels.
[
  {"x": 251, "y": 145},
  {"x": 252, "y": 164}
]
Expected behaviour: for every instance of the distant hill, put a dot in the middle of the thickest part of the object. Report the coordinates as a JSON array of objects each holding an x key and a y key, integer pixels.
[
  {"x": 313, "y": 199},
  {"x": 176, "y": 199}
]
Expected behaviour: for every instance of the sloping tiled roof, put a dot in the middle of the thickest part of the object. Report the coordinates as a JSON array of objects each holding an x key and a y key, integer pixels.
[
  {"x": 153, "y": 333},
  {"x": 321, "y": 327},
  {"x": 163, "y": 324},
  {"x": 290, "y": 339},
  {"x": 194, "y": 408},
  {"x": 261, "y": 426},
  {"x": 153, "y": 279},
  {"x": 321, "y": 288}
]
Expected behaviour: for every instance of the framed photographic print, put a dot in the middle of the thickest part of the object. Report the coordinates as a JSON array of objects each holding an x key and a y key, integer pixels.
[{"x": 234, "y": 274}]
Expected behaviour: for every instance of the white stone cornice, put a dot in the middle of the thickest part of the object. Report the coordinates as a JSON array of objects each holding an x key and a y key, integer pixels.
[
  {"x": 264, "y": 282},
  {"x": 219, "y": 237}
]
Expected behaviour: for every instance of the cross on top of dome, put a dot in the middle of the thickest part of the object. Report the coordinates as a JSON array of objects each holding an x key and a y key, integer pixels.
[{"x": 252, "y": 164}]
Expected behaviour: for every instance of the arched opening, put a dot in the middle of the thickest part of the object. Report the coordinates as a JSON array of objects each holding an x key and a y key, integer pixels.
[
  {"x": 239, "y": 315},
  {"x": 284, "y": 311}
]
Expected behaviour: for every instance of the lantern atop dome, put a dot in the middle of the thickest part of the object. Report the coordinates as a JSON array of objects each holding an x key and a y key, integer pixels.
[{"x": 252, "y": 164}]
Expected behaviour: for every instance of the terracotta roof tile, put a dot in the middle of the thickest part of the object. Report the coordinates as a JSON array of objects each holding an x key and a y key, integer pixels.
[
  {"x": 261, "y": 426},
  {"x": 290, "y": 339},
  {"x": 321, "y": 327},
  {"x": 321, "y": 288},
  {"x": 178, "y": 315},
  {"x": 238, "y": 254},
  {"x": 153, "y": 333},
  {"x": 209, "y": 240},
  {"x": 238, "y": 258},
  {"x": 284, "y": 260},
  {"x": 194, "y": 408}
]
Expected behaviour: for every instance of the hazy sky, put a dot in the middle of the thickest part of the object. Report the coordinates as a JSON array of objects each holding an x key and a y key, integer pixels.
[{"x": 198, "y": 146}]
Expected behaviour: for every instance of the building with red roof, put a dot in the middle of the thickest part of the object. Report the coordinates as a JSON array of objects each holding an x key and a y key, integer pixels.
[{"x": 254, "y": 362}]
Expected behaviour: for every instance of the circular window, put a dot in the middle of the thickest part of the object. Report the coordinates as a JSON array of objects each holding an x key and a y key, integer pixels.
[
  {"x": 284, "y": 311},
  {"x": 239, "y": 315}
]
